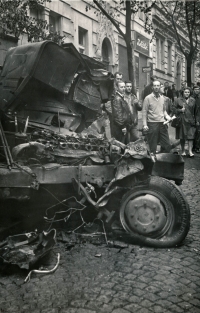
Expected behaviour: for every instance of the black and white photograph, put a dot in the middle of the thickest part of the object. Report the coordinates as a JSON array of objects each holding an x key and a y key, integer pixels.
[{"x": 99, "y": 156}]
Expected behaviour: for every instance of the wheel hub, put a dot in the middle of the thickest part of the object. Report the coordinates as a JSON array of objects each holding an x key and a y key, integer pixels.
[{"x": 145, "y": 214}]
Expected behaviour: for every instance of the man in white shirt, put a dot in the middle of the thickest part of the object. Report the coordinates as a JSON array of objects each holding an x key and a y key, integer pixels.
[{"x": 154, "y": 115}]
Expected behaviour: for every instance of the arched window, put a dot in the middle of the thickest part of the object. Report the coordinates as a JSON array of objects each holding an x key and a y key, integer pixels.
[{"x": 106, "y": 53}]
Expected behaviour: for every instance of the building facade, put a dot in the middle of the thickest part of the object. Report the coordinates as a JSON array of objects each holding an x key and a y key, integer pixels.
[{"x": 94, "y": 35}]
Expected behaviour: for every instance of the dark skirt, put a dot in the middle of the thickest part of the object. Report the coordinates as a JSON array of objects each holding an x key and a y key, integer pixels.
[{"x": 185, "y": 131}]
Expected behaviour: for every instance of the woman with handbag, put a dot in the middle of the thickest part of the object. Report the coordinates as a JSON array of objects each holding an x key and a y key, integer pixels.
[{"x": 184, "y": 109}]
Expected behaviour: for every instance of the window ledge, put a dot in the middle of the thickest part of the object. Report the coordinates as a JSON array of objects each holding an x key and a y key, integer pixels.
[
  {"x": 9, "y": 37},
  {"x": 160, "y": 71}
]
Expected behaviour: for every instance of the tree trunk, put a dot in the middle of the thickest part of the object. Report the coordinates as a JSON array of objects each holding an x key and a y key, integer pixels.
[
  {"x": 130, "y": 49},
  {"x": 131, "y": 64},
  {"x": 189, "y": 70}
]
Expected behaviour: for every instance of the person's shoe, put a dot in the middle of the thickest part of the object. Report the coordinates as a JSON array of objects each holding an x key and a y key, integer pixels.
[
  {"x": 191, "y": 155},
  {"x": 183, "y": 154},
  {"x": 175, "y": 144}
]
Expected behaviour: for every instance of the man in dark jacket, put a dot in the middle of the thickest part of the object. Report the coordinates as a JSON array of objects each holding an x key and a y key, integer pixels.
[
  {"x": 196, "y": 95},
  {"x": 121, "y": 115},
  {"x": 175, "y": 91},
  {"x": 149, "y": 88},
  {"x": 134, "y": 105},
  {"x": 180, "y": 92},
  {"x": 168, "y": 92}
]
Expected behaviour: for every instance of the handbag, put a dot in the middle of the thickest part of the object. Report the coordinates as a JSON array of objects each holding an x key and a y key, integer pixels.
[{"x": 176, "y": 123}]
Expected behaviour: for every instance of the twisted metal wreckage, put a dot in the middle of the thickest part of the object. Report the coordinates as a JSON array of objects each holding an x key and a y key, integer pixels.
[{"x": 55, "y": 157}]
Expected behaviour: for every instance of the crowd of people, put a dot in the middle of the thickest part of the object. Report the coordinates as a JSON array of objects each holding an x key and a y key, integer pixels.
[{"x": 160, "y": 105}]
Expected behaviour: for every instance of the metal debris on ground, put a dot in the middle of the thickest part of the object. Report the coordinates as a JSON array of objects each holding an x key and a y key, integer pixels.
[
  {"x": 43, "y": 271},
  {"x": 98, "y": 255},
  {"x": 26, "y": 249}
]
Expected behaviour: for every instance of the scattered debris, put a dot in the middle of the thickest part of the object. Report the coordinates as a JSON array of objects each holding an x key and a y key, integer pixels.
[
  {"x": 43, "y": 272},
  {"x": 98, "y": 255},
  {"x": 117, "y": 244},
  {"x": 25, "y": 250}
]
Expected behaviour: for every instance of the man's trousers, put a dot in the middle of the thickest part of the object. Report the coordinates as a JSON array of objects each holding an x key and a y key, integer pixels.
[{"x": 158, "y": 132}]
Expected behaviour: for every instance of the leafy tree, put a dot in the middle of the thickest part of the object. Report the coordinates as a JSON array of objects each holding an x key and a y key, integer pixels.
[
  {"x": 15, "y": 20},
  {"x": 112, "y": 10},
  {"x": 182, "y": 19}
]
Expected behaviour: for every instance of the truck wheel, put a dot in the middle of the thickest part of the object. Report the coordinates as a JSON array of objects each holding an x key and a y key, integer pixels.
[{"x": 156, "y": 215}]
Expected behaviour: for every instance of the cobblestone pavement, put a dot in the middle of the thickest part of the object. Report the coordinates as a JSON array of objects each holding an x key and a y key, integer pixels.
[{"x": 100, "y": 279}]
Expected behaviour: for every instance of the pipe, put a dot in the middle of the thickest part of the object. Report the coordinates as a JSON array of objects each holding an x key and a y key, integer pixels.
[
  {"x": 5, "y": 150},
  {"x": 16, "y": 124},
  {"x": 6, "y": 145},
  {"x": 26, "y": 125}
]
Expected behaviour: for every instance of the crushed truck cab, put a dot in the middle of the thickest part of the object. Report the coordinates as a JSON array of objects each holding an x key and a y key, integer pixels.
[{"x": 55, "y": 153}]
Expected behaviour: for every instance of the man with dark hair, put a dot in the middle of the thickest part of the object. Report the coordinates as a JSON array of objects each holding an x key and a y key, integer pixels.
[
  {"x": 168, "y": 101},
  {"x": 118, "y": 76},
  {"x": 107, "y": 107},
  {"x": 154, "y": 116},
  {"x": 175, "y": 91},
  {"x": 121, "y": 115},
  {"x": 180, "y": 92},
  {"x": 149, "y": 88},
  {"x": 168, "y": 92},
  {"x": 134, "y": 105}
]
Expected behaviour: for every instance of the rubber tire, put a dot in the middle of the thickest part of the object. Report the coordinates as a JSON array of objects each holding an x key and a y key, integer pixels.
[{"x": 181, "y": 212}]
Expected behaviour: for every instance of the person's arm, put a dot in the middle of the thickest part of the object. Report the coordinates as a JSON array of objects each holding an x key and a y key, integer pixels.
[
  {"x": 196, "y": 112},
  {"x": 137, "y": 103},
  {"x": 177, "y": 109},
  {"x": 144, "y": 112},
  {"x": 171, "y": 95},
  {"x": 167, "y": 117}
]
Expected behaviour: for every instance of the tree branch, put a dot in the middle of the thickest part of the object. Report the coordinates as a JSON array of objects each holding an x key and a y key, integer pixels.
[
  {"x": 109, "y": 18},
  {"x": 188, "y": 26}
]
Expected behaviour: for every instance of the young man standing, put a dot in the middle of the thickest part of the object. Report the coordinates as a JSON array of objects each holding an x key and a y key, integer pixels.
[
  {"x": 134, "y": 106},
  {"x": 154, "y": 116},
  {"x": 180, "y": 92},
  {"x": 107, "y": 107},
  {"x": 118, "y": 76},
  {"x": 148, "y": 89},
  {"x": 121, "y": 116},
  {"x": 168, "y": 102},
  {"x": 168, "y": 92}
]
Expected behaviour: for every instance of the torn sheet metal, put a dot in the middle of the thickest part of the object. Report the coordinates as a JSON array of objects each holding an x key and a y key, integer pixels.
[
  {"x": 137, "y": 149},
  {"x": 127, "y": 167},
  {"x": 25, "y": 250}
]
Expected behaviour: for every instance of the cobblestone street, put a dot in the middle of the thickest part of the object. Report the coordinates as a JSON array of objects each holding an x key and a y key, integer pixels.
[{"x": 100, "y": 279}]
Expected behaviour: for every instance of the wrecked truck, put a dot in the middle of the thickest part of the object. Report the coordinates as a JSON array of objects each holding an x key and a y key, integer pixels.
[{"x": 57, "y": 160}]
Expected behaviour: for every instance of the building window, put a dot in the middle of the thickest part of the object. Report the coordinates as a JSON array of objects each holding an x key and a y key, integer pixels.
[
  {"x": 157, "y": 53},
  {"x": 54, "y": 22},
  {"x": 162, "y": 52},
  {"x": 169, "y": 67},
  {"x": 35, "y": 14},
  {"x": 82, "y": 40},
  {"x": 141, "y": 15},
  {"x": 105, "y": 54}
]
